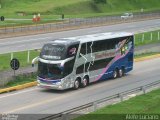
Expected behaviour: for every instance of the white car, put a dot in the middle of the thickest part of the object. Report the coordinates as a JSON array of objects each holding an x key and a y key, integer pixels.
[{"x": 127, "y": 15}]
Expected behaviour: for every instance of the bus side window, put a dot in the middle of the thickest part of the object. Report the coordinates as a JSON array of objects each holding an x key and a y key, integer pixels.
[
  {"x": 72, "y": 50},
  {"x": 68, "y": 67},
  {"x": 83, "y": 49},
  {"x": 89, "y": 47}
]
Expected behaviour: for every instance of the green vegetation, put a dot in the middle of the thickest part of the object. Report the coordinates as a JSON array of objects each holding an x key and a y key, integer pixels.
[
  {"x": 21, "y": 79},
  {"x": 143, "y": 104},
  {"x": 52, "y": 9},
  {"x": 21, "y": 56},
  {"x": 147, "y": 38},
  {"x": 12, "y": 7}
]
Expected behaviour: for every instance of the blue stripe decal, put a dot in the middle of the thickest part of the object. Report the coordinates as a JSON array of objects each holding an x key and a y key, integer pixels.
[{"x": 48, "y": 81}]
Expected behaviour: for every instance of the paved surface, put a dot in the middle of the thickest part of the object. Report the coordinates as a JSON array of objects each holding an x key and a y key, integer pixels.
[
  {"x": 36, "y": 41},
  {"x": 37, "y": 100}
]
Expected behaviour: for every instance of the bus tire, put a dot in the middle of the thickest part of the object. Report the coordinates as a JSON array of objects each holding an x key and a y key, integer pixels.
[
  {"x": 120, "y": 73},
  {"x": 84, "y": 82},
  {"x": 115, "y": 73},
  {"x": 76, "y": 84}
]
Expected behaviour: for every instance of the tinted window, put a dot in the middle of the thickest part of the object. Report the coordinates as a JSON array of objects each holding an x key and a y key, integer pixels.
[
  {"x": 49, "y": 71},
  {"x": 68, "y": 67},
  {"x": 99, "y": 64},
  {"x": 83, "y": 49},
  {"x": 53, "y": 52},
  {"x": 72, "y": 50},
  {"x": 89, "y": 47}
]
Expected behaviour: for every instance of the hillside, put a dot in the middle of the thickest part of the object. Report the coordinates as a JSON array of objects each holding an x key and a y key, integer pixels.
[{"x": 74, "y": 7}]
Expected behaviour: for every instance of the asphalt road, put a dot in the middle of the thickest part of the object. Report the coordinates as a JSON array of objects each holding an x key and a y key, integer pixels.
[
  {"x": 36, "y": 41},
  {"x": 40, "y": 101}
]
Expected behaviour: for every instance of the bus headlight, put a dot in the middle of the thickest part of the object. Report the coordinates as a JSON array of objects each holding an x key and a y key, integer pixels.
[{"x": 58, "y": 83}]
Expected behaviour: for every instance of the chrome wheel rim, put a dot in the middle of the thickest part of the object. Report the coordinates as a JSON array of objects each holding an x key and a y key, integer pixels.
[
  {"x": 76, "y": 84},
  {"x": 85, "y": 82},
  {"x": 115, "y": 74},
  {"x": 120, "y": 73}
]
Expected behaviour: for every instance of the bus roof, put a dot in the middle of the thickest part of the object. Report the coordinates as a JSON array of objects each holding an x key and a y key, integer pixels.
[{"x": 92, "y": 37}]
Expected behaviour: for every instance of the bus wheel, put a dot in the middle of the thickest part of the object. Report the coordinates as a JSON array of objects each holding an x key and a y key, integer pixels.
[
  {"x": 84, "y": 82},
  {"x": 76, "y": 84},
  {"x": 120, "y": 73},
  {"x": 115, "y": 73}
]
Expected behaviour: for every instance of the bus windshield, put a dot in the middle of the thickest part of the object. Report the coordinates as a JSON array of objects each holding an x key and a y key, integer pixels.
[
  {"x": 53, "y": 52},
  {"x": 49, "y": 71}
]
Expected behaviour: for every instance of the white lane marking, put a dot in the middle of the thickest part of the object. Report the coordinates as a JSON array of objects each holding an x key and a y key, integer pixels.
[
  {"x": 22, "y": 41},
  {"x": 19, "y": 92}
]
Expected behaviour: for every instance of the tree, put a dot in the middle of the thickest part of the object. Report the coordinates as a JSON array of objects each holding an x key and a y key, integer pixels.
[{"x": 100, "y": 1}]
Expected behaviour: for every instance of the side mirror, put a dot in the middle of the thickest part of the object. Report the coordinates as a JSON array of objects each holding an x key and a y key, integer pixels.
[{"x": 34, "y": 61}]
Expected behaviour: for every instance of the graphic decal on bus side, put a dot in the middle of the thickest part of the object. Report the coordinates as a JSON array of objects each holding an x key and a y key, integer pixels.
[
  {"x": 90, "y": 63},
  {"x": 84, "y": 63},
  {"x": 93, "y": 58},
  {"x": 122, "y": 50}
]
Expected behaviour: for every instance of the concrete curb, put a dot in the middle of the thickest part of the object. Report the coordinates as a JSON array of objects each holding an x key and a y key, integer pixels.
[
  {"x": 18, "y": 87},
  {"x": 31, "y": 84}
]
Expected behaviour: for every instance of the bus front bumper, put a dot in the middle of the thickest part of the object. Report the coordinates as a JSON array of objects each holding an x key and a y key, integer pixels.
[{"x": 50, "y": 86}]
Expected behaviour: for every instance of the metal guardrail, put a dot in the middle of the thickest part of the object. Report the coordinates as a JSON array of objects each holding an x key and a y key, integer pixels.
[
  {"x": 63, "y": 115},
  {"x": 68, "y": 24}
]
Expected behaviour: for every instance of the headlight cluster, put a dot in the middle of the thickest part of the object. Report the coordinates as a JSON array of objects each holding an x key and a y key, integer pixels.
[{"x": 58, "y": 83}]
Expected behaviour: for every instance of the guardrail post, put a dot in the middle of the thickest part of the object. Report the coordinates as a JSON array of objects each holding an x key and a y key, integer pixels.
[
  {"x": 28, "y": 56},
  {"x": 142, "y": 38},
  {"x": 11, "y": 55},
  {"x": 143, "y": 89},
  {"x": 121, "y": 97},
  {"x": 94, "y": 106},
  {"x": 151, "y": 36}
]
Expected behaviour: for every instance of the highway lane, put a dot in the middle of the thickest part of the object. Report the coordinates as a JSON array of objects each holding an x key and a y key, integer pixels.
[
  {"x": 36, "y": 41},
  {"x": 36, "y": 100}
]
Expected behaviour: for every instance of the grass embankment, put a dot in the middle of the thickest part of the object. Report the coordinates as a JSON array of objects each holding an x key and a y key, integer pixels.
[
  {"x": 21, "y": 79},
  {"x": 140, "y": 105},
  {"x": 147, "y": 38},
  {"x": 21, "y": 56},
  {"x": 52, "y": 9}
]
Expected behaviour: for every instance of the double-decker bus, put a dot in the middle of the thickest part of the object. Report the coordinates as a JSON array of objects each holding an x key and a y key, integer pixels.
[{"x": 77, "y": 61}]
